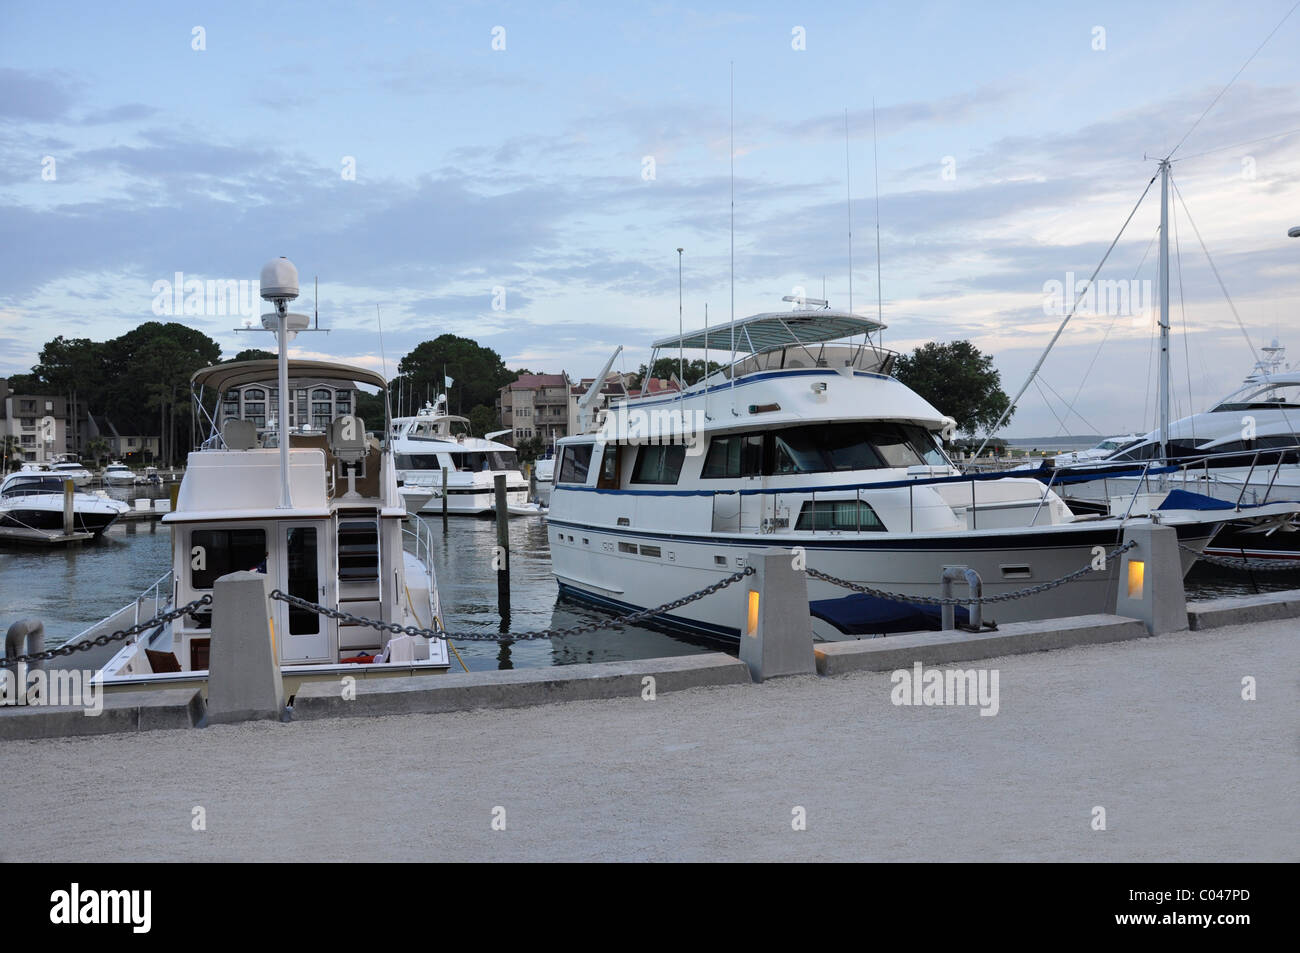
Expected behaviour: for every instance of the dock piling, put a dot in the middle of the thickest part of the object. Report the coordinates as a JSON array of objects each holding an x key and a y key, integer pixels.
[
  {"x": 503, "y": 546},
  {"x": 69, "y": 488},
  {"x": 1150, "y": 579},
  {"x": 444, "y": 499},
  {"x": 244, "y": 680},
  {"x": 776, "y": 635}
]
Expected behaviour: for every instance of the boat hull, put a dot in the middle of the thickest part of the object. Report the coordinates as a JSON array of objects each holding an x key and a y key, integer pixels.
[{"x": 596, "y": 566}]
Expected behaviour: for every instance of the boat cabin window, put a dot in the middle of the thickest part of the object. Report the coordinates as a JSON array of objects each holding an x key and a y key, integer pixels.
[
  {"x": 659, "y": 463},
  {"x": 609, "y": 469},
  {"x": 736, "y": 455},
  {"x": 30, "y": 486},
  {"x": 574, "y": 463},
  {"x": 831, "y": 447},
  {"x": 418, "y": 461},
  {"x": 849, "y": 515},
  {"x": 216, "y": 552},
  {"x": 484, "y": 460}
]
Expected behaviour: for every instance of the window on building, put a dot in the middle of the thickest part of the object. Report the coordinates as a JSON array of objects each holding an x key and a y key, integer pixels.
[{"x": 659, "y": 463}]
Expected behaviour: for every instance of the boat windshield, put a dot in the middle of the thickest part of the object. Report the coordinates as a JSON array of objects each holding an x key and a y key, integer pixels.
[
  {"x": 849, "y": 446},
  {"x": 484, "y": 460},
  {"x": 29, "y": 486}
]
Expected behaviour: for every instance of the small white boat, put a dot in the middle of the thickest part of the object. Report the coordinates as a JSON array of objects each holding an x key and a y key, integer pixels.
[
  {"x": 32, "y": 506},
  {"x": 71, "y": 470},
  {"x": 118, "y": 474}
]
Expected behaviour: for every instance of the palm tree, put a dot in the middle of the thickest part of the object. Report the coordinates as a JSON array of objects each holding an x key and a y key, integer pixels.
[
  {"x": 97, "y": 450},
  {"x": 12, "y": 454}
]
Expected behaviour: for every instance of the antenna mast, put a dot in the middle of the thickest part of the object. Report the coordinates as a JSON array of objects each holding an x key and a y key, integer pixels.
[
  {"x": 733, "y": 239},
  {"x": 848, "y": 204},
  {"x": 875, "y": 162}
]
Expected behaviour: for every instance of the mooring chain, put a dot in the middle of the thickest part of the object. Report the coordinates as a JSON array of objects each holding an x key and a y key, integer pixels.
[
  {"x": 1242, "y": 562},
  {"x": 982, "y": 600},
  {"x": 72, "y": 648},
  {"x": 617, "y": 622}
]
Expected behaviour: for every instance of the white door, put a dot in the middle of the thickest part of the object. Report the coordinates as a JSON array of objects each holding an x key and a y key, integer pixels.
[{"x": 304, "y": 636}]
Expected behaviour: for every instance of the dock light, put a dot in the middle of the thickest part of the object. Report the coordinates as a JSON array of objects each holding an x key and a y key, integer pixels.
[
  {"x": 751, "y": 619},
  {"x": 1136, "y": 575}
]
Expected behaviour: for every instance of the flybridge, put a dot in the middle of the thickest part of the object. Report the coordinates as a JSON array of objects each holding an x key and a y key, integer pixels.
[{"x": 774, "y": 329}]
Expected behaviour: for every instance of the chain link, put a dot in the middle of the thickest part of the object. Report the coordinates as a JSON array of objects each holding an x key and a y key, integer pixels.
[
  {"x": 982, "y": 600},
  {"x": 103, "y": 639},
  {"x": 1242, "y": 562},
  {"x": 618, "y": 622}
]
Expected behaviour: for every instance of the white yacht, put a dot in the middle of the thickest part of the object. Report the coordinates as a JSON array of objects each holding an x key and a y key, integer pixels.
[
  {"x": 1104, "y": 449},
  {"x": 32, "y": 508},
  {"x": 70, "y": 469},
  {"x": 433, "y": 441},
  {"x": 319, "y": 514},
  {"x": 802, "y": 442},
  {"x": 544, "y": 478},
  {"x": 118, "y": 474}
]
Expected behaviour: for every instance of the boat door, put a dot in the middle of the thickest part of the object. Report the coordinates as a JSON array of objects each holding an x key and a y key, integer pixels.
[{"x": 304, "y": 636}]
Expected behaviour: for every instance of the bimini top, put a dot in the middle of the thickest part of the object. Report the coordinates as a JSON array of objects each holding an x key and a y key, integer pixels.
[
  {"x": 222, "y": 377},
  {"x": 773, "y": 329}
]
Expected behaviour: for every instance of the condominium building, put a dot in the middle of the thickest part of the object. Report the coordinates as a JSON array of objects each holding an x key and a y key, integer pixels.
[
  {"x": 37, "y": 424},
  {"x": 312, "y": 404}
]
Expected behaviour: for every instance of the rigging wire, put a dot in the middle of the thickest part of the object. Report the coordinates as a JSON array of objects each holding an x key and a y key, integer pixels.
[
  {"x": 1096, "y": 354},
  {"x": 1248, "y": 142},
  {"x": 1034, "y": 373},
  {"x": 1222, "y": 286},
  {"x": 1216, "y": 99},
  {"x": 1182, "y": 307},
  {"x": 1070, "y": 410}
]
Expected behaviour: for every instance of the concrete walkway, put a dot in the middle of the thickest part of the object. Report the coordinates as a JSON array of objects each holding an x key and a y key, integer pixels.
[{"x": 1154, "y": 730}]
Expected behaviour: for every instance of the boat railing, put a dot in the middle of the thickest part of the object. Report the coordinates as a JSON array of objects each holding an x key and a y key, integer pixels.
[
  {"x": 155, "y": 592},
  {"x": 420, "y": 535},
  {"x": 161, "y": 591}
]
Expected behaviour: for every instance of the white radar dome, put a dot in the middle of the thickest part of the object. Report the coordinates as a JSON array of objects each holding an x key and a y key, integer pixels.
[{"x": 279, "y": 280}]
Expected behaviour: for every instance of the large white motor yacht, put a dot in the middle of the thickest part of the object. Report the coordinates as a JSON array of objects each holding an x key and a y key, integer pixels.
[
  {"x": 433, "y": 441},
  {"x": 70, "y": 469},
  {"x": 802, "y": 442}
]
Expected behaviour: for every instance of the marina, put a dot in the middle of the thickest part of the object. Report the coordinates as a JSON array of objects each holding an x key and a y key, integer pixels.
[{"x": 855, "y": 434}]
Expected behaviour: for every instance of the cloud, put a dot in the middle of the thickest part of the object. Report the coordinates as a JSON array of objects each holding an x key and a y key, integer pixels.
[{"x": 36, "y": 96}]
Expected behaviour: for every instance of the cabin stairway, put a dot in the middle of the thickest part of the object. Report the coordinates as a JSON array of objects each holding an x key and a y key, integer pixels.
[{"x": 359, "y": 577}]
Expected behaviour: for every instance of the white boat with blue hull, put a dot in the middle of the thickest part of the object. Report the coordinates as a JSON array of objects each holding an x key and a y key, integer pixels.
[{"x": 805, "y": 440}]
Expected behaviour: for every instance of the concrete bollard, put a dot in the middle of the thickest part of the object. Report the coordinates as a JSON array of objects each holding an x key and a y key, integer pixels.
[
  {"x": 25, "y": 637},
  {"x": 1150, "y": 585},
  {"x": 243, "y": 665},
  {"x": 776, "y": 632}
]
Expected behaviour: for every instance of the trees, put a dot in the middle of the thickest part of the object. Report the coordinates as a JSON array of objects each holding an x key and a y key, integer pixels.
[
  {"x": 255, "y": 354},
  {"x": 530, "y": 449},
  {"x": 483, "y": 420},
  {"x": 478, "y": 373},
  {"x": 667, "y": 367},
  {"x": 97, "y": 449},
  {"x": 958, "y": 380}
]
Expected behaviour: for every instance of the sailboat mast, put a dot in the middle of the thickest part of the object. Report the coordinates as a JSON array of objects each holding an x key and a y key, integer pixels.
[{"x": 1164, "y": 309}]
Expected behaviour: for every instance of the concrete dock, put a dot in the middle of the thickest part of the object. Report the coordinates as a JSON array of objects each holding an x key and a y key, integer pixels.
[{"x": 1154, "y": 730}]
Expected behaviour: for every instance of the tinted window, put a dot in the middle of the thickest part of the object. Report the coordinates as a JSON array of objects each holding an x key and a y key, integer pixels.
[
  {"x": 417, "y": 461},
  {"x": 574, "y": 463},
  {"x": 657, "y": 463},
  {"x": 735, "y": 455},
  {"x": 833, "y": 447},
  {"x": 225, "y": 551},
  {"x": 839, "y": 514}
]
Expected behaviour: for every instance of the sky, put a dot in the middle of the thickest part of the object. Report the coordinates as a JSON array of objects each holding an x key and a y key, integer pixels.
[{"x": 522, "y": 174}]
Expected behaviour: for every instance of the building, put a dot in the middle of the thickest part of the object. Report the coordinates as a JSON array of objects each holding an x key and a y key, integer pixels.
[
  {"x": 37, "y": 424},
  {"x": 312, "y": 406},
  {"x": 131, "y": 448},
  {"x": 613, "y": 390},
  {"x": 535, "y": 405}
]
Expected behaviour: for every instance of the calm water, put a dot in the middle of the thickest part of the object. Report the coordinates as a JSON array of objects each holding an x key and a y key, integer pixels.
[{"x": 74, "y": 588}]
